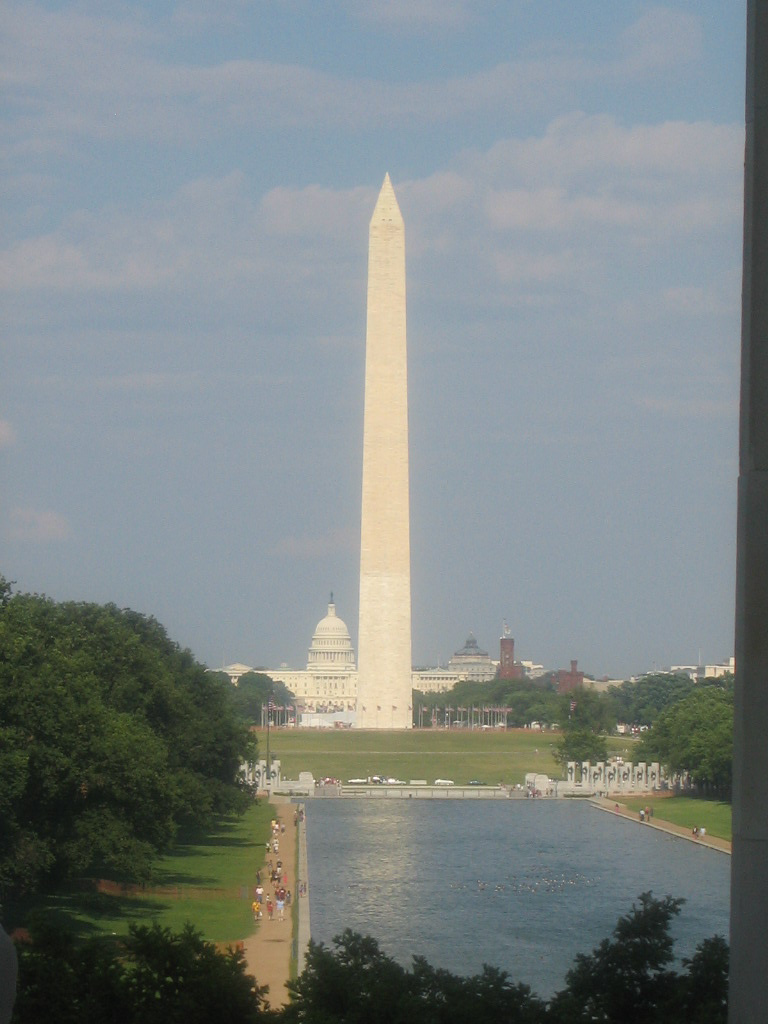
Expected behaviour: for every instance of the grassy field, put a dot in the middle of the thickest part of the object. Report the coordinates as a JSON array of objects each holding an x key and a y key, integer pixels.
[
  {"x": 713, "y": 815},
  {"x": 202, "y": 883},
  {"x": 490, "y": 756}
]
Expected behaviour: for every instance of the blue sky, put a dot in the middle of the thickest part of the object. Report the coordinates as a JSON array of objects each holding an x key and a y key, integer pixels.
[{"x": 187, "y": 190}]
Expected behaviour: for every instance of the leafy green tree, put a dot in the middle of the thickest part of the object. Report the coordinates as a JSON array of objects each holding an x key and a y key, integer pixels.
[
  {"x": 703, "y": 991},
  {"x": 356, "y": 983},
  {"x": 585, "y": 709},
  {"x": 640, "y": 702},
  {"x": 157, "y": 977},
  {"x": 627, "y": 979},
  {"x": 586, "y": 716},
  {"x": 111, "y": 738},
  {"x": 696, "y": 736},
  {"x": 580, "y": 744},
  {"x": 252, "y": 693}
]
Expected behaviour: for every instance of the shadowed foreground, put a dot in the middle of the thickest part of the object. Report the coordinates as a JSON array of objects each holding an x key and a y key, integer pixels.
[{"x": 161, "y": 977}]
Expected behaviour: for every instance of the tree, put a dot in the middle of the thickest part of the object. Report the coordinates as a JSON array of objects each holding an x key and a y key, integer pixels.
[
  {"x": 356, "y": 983},
  {"x": 586, "y": 716},
  {"x": 640, "y": 702},
  {"x": 159, "y": 977},
  {"x": 252, "y": 692},
  {"x": 580, "y": 744},
  {"x": 627, "y": 978},
  {"x": 156, "y": 977},
  {"x": 696, "y": 736},
  {"x": 111, "y": 736}
]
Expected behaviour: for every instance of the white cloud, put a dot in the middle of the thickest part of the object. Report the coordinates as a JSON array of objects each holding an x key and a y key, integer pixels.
[
  {"x": 564, "y": 207},
  {"x": 37, "y": 525},
  {"x": 70, "y": 75},
  {"x": 660, "y": 38}
]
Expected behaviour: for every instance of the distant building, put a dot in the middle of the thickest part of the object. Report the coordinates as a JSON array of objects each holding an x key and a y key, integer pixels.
[
  {"x": 433, "y": 680},
  {"x": 533, "y": 670},
  {"x": 328, "y": 685},
  {"x": 696, "y": 672},
  {"x": 715, "y": 671},
  {"x": 235, "y": 670},
  {"x": 569, "y": 680},
  {"x": 472, "y": 664},
  {"x": 508, "y": 667}
]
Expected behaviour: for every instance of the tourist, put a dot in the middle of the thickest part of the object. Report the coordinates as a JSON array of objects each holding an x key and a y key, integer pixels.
[{"x": 270, "y": 908}]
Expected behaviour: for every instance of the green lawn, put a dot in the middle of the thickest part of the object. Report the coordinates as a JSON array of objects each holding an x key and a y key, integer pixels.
[
  {"x": 460, "y": 755},
  {"x": 490, "y": 756},
  {"x": 713, "y": 815},
  {"x": 206, "y": 880}
]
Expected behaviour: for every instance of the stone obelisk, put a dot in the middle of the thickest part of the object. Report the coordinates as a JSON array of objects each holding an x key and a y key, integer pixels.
[{"x": 384, "y": 635}]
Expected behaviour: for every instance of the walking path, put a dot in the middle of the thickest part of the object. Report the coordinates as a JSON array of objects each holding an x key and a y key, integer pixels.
[
  {"x": 268, "y": 951},
  {"x": 606, "y": 804}
]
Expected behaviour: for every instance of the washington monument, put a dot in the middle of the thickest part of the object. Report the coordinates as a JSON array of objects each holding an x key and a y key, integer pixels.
[{"x": 384, "y": 633}]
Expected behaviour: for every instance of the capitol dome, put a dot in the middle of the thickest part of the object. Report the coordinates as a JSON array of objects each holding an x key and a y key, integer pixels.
[{"x": 331, "y": 644}]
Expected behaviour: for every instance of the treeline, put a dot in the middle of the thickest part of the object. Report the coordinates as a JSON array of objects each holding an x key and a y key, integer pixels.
[
  {"x": 634, "y": 702},
  {"x": 111, "y": 738},
  {"x": 687, "y": 726},
  {"x": 180, "y": 979},
  {"x": 253, "y": 693}
]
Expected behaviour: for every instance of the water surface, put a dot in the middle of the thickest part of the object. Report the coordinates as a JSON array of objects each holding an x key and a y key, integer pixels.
[{"x": 522, "y": 885}]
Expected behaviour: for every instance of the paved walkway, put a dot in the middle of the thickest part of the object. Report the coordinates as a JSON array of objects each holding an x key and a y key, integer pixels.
[
  {"x": 268, "y": 950},
  {"x": 607, "y": 804}
]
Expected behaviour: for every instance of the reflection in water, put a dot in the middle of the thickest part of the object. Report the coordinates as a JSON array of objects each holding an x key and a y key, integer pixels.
[{"x": 522, "y": 885}]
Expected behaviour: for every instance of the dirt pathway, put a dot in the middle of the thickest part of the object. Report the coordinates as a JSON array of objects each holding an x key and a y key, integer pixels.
[{"x": 268, "y": 950}]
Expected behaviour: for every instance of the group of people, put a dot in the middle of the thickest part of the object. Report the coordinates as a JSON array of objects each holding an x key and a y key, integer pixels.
[{"x": 278, "y": 878}]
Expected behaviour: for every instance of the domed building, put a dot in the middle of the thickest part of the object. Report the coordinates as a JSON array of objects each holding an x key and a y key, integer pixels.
[
  {"x": 328, "y": 685},
  {"x": 325, "y": 692},
  {"x": 471, "y": 663},
  {"x": 331, "y": 648}
]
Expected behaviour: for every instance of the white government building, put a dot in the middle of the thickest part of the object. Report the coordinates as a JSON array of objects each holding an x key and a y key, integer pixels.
[{"x": 325, "y": 691}]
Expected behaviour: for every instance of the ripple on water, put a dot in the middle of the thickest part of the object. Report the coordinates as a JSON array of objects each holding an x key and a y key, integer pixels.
[{"x": 522, "y": 885}]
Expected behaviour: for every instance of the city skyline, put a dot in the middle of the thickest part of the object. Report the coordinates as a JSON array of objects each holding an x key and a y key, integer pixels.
[{"x": 187, "y": 193}]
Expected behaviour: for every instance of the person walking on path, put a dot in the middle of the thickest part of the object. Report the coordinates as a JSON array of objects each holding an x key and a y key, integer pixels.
[{"x": 268, "y": 949}]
